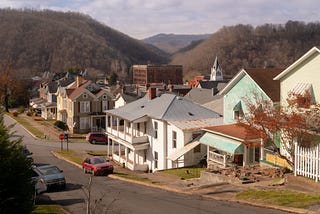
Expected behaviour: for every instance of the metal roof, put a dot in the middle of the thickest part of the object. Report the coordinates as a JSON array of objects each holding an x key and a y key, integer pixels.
[{"x": 166, "y": 107}]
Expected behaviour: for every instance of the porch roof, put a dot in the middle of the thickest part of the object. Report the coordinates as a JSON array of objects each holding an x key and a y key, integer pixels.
[
  {"x": 224, "y": 144},
  {"x": 181, "y": 151}
]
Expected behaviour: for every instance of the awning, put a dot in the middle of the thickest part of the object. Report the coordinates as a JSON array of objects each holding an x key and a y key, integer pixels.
[
  {"x": 179, "y": 152},
  {"x": 301, "y": 88},
  {"x": 238, "y": 107},
  {"x": 225, "y": 144}
]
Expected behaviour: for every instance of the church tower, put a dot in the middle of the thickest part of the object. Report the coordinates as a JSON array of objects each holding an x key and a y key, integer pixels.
[{"x": 216, "y": 71}]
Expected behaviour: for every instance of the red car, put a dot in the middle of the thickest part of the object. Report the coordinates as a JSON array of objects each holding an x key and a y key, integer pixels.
[
  {"x": 97, "y": 165},
  {"x": 94, "y": 137}
]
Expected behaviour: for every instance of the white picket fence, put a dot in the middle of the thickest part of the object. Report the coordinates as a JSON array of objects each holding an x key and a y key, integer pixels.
[{"x": 307, "y": 162}]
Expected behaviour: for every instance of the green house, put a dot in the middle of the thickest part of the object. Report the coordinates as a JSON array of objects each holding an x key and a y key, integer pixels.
[{"x": 229, "y": 143}]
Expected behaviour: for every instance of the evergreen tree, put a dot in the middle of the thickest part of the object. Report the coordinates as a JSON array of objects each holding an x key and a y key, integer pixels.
[{"x": 16, "y": 188}]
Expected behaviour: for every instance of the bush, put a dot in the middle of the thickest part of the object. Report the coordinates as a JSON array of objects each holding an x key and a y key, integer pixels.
[
  {"x": 61, "y": 125},
  {"x": 21, "y": 109},
  {"x": 15, "y": 113}
]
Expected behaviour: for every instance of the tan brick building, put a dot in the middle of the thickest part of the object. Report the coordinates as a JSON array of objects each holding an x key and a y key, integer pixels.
[{"x": 147, "y": 74}]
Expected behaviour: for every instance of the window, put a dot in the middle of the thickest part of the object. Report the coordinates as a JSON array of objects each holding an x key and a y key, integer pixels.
[
  {"x": 237, "y": 115},
  {"x": 84, "y": 122},
  {"x": 85, "y": 96},
  {"x": 174, "y": 139},
  {"x": 155, "y": 130},
  {"x": 155, "y": 160},
  {"x": 237, "y": 111},
  {"x": 104, "y": 105},
  {"x": 84, "y": 106}
]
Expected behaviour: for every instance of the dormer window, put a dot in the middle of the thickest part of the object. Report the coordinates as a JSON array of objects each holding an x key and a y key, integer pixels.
[{"x": 237, "y": 111}]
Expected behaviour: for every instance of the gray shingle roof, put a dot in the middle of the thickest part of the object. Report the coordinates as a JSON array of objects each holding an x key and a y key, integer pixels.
[{"x": 167, "y": 107}]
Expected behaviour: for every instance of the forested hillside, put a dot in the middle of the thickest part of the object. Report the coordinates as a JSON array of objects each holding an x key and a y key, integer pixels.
[
  {"x": 246, "y": 46},
  {"x": 171, "y": 43},
  {"x": 36, "y": 41}
]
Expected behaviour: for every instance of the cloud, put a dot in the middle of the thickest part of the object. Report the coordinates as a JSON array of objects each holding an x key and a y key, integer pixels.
[{"x": 142, "y": 18}]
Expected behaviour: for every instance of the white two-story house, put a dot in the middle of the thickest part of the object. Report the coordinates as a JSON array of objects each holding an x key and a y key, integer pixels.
[{"x": 158, "y": 132}]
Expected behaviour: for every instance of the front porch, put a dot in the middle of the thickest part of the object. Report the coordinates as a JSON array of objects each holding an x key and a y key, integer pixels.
[
  {"x": 131, "y": 156},
  {"x": 225, "y": 152}
]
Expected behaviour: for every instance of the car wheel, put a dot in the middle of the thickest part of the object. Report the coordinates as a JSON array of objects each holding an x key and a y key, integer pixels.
[{"x": 93, "y": 141}]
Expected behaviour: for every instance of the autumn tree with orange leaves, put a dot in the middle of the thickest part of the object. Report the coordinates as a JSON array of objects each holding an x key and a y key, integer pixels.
[
  {"x": 298, "y": 121},
  {"x": 12, "y": 88}
]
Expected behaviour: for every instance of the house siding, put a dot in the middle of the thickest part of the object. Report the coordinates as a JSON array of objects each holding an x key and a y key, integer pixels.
[
  {"x": 306, "y": 72},
  {"x": 244, "y": 89}
]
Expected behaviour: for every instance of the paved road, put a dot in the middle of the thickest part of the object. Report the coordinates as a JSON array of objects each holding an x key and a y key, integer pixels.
[{"x": 116, "y": 196}]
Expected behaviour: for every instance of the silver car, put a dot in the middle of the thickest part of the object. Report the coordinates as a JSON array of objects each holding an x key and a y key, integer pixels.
[{"x": 52, "y": 175}]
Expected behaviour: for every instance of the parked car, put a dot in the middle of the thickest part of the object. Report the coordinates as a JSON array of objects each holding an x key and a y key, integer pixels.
[
  {"x": 38, "y": 182},
  {"x": 27, "y": 153},
  {"x": 97, "y": 165},
  {"x": 52, "y": 175},
  {"x": 94, "y": 137}
]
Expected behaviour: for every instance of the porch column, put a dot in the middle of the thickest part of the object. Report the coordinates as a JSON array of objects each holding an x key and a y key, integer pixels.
[
  {"x": 108, "y": 148},
  {"x": 119, "y": 149},
  {"x": 112, "y": 149},
  {"x": 126, "y": 155},
  {"x": 132, "y": 126},
  {"x": 261, "y": 149},
  {"x": 134, "y": 159},
  {"x": 125, "y": 129},
  {"x": 245, "y": 154},
  {"x": 111, "y": 123},
  {"x": 118, "y": 126}
]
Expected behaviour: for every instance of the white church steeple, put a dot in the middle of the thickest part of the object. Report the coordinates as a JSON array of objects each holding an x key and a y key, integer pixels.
[{"x": 216, "y": 71}]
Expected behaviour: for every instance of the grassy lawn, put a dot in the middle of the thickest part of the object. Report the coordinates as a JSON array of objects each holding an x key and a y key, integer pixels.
[
  {"x": 185, "y": 173},
  {"x": 70, "y": 155},
  {"x": 52, "y": 209},
  {"x": 280, "y": 198},
  {"x": 28, "y": 126}
]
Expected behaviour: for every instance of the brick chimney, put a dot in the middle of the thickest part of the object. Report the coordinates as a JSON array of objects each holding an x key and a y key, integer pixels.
[
  {"x": 170, "y": 87},
  {"x": 152, "y": 93},
  {"x": 79, "y": 80}
]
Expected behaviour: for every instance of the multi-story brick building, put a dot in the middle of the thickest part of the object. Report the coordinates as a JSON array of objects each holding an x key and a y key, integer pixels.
[{"x": 147, "y": 74}]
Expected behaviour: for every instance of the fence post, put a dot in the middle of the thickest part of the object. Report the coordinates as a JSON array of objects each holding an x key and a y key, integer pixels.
[
  {"x": 295, "y": 158},
  {"x": 317, "y": 163}
]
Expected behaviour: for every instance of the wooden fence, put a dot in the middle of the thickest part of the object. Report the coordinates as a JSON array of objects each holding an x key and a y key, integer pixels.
[{"x": 307, "y": 162}]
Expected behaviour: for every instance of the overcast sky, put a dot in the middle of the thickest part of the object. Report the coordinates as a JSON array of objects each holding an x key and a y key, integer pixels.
[{"x": 144, "y": 18}]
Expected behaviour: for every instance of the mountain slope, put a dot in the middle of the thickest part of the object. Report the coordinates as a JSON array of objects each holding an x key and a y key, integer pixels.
[
  {"x": 245, "y": 46},
  {"x": 36, "y": 41},
  {"x": 172, "y": 43}
]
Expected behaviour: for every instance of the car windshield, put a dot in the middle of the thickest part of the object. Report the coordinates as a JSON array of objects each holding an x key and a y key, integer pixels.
[
  {"x": 99, "y": 160},
  {"x": 49, "y": 170}
]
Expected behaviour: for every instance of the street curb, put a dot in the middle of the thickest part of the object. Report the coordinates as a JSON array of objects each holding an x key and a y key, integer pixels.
[{"x": 170, "y": 189}]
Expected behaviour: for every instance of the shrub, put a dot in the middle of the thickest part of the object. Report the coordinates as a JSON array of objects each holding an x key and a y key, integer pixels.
[
  {"x": 21, "y": 109},
  {"x": 61, "y": 125},
  {"x": 15, "y": 113}
]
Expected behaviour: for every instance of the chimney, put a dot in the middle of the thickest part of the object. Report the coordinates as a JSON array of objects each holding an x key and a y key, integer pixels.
[
  {"x": 152, "y": 93},
  {"x": 79, "y": 80},
  {"x": 170, "y": 87}
]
